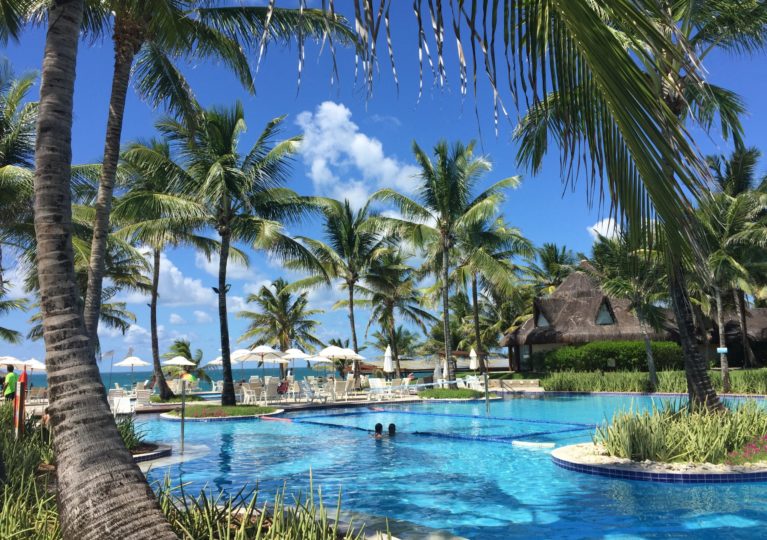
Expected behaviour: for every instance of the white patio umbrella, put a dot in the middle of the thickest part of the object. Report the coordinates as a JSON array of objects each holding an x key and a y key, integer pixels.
[
  {"x": 388, "y": 365},
  {"x": 34, "y": 363},
  {"x": 293, "y": 354},
  {"x": 473, "y": 360},
  {"x": 132, "y": 362},
  {"x": 218, "y": 361},
  {"x": 11, "y": 361},
  {"x": 437, "y": 372},
  {"x": 445, "y": 371},
  {"x": 179, "y": 361}
]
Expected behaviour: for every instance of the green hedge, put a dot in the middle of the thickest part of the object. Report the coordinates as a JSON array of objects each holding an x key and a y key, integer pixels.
[
  {"x": 618, "y": 355},
  {"x": 752, "y": 381}
]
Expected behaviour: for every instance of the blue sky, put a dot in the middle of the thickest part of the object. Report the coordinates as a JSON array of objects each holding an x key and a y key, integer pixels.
[{"x": 353, "y": 146}]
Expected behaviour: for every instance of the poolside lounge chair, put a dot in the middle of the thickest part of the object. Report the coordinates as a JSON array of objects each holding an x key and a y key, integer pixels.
[
  {"x": 142, "y": 398},
  {"x": 270, "y": 391},
  {"x": 341, "y": 390},
  {"x": 37, "y": 395},
  {"x": 310, "y": 394},
  {"x": 249, "y": 395},
  {"x": 377, "y": 388},
  {"x": 122, "y": 405}
]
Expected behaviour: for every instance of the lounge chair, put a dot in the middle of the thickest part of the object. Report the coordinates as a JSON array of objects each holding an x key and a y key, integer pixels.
[
  {"x": 142, "y": 398},
  {"x": 249, "y": 395},
  {"x": 310, "y": 394},
  {"x": 122, "y": 405},
  {"x": 341, "y": 390},
  {"x": 270, "y": 391}
]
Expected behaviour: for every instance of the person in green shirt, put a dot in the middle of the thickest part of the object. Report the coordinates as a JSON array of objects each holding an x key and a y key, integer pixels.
[{"x": 9, "y": 385}]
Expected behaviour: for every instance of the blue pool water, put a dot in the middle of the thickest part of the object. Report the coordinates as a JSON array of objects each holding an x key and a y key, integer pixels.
[{"x": 450, "y": 467}]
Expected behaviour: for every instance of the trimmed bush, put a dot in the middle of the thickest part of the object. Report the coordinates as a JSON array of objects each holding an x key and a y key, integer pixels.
[
  {"x": 618, "y": 355},
  {"x": 216, "y": 411},
  {"x": 450, "y": 393},
  {"x": 674, "y": 433}
]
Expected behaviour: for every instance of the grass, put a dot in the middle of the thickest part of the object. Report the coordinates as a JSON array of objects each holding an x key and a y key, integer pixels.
[
  {"x": 506, "y": 375},
  {"x": 215, "y": 411},
  {"x": 451, "y": 393},
  {"x": 674, "y": 433},
  {"x": 131, "y": 436},
  {"x": 752, "y": 381},
  {"x": 175, "y": 399}
]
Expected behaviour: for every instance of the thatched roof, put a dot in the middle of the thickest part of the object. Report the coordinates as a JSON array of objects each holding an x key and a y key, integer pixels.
[
  {"x": 569, "y": 315},
  {"x": 756, "y": 325}
]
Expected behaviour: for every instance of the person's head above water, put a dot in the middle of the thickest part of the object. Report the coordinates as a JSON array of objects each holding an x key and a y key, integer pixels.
[
  {"x": 392, "y": 430},
  {"x": 379, "y": 429}
]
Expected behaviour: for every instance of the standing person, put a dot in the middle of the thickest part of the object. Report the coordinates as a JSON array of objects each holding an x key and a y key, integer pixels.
[{"x": 9, "y": 384}]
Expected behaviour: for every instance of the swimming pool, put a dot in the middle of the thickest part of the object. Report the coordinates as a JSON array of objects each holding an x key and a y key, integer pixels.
[{"x": 451, "y": 468}]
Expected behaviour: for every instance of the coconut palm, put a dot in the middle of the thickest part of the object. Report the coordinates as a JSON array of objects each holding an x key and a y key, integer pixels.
[
  {"x": 549, "y": 268},
  {"x": 148, "y": 48},
  {"x": 630, "y": 271},
  {"x": 406, "y": 341},
  {"x": 183, "y": 347},
  {"x": 735, "y": 228},
  {"x": 392, "y": 293},
  {"x": 446, "y": 204},
  {"x": 282, "y": 318},
  {"x": 701, "y": 27},
  {"x": 735, "y": 176},
  {"x": 485, "y": 251},
  {"x": 152, "y": 215},
  {"x": 85, "y": 437},
  {"x": 240, "y": 195},
  {"x": 7, "y": 306},
  {"x": 350, "y": 247}
]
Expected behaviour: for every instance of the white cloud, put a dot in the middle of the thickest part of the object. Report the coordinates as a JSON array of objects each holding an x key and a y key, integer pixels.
[
  {"x": 606, "y": 227},
  {"x": 138, "y": 335},
  {"x": 202, "y": 317},
  {"x": 253, "y": 288},
  {"x": 175, "y": 318},
  {"x": 234, "y": 269},
  {"x": 176, "y": 289},
  {"x": 335, "y": 151},
  {"x": 107, "y": 331},
  {"x": 14, "y": 281}
]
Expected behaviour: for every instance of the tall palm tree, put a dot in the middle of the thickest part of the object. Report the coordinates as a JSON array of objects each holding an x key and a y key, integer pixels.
[
  {"x": 116, "y": 500},
  {"x": 350, "y": 247},
  {"x": 282, "y": 318},
  {"x": 735, "y": 176},
  {"x": 446, "y": 204},
  {"x": 735, "y": 227},
  {"x": 485, "y": 250},
  {"x": 150, "y": 213},
  {"x": 701, "y": 27},
  {"x": 406, "y": 341},
  {"x": 632, "y": 272},
  {"x": 149, "y": 37},
  {"x": 392, "y": 292},
  {"x": 240, "y": 194},
  {"x": 183, "y": 347},
  {"x": 550, "y": 266},
  {"x": 6, "y": 306}
]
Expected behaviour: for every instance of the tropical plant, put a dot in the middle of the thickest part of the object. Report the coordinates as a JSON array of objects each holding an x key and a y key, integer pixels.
[
  {"x": 151, "y": 214},
  {"x": 735, "y": 176},
  {"x": 626, "y": 270},
  {"x": 391, "y": 290},
  {"x": 183, "y": 347},
  {"x": 239, "y": 195},
  {"x": 147, "y": 49},
  {"x": 350, "y": 247},
  {"x": 282, "y": 318},
  {"x": 6, "y": 306},
  {"x": 446, "y": 205},
  {"x": 485, "y": 251},
  {"x": 408, "y": 342},
  {"x": 549, "y": 268}
]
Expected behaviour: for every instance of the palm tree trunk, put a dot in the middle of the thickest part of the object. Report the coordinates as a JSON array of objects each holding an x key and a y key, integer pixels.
[
  {"x": 227, "y": 393},
  {"x": 159, "y": 378},
  {"x": 699, "y": 385},
  {"x": 101, "y": 492},
  {"x": 723, "y": 363},
  {"x": 650, "y": 359},
  {"x": 355, "y": 363},
  {"x": 394, "y": 348},
  {"x": 127, "y": 39},
  {"x": 446, "y": 313},
  {"x": 477, "y": 334},
  {"x": 740, "y": 306}
]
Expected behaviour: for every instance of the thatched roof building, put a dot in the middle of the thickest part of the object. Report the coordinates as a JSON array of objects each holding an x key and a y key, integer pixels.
[{"x": 578, "y": 311}]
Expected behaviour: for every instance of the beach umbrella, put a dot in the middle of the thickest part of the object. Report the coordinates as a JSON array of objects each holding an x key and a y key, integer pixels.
[
  {"x": 294, "y": 354},
  {"x": 265, "y": 352},
  {"x": 179, "y": 361},
  {"x": 132, "y": 362},
  {"x": 388, "y": 366},
  {"x": 437, "y": 375},
  {"x": 445, "y": 372},
  {"x": 473, "y": 360},
  {"x": 11, "y": 361},
  {"x": 34, "y": 363}
]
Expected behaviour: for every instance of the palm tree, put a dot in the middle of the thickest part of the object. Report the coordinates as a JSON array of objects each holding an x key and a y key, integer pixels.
[
  {"x": 632, "y": 272},
  {"x": 551, "y": 265},
  {"x": 6, "y": 306},
  {"x": 405, "y": 340},
  {"x": 350, "y": 248},
  {"x": 147, "y": 47},
  {"x": 580, "y": 117},
  {"x": 85, "y": 437},
  {"x": 485, "y": 249},
  {"x": 183, "y": 347},
  {"x": 152, "y": 215},
  {"x": 446, "y": 204},
  {"x": 735, "y": 227},
  {"x": 282, "y": 318},
  {"x": 735, "y": 176},
  {"x": 391, "y": 291},
  {"x": 240, "y": 195}
]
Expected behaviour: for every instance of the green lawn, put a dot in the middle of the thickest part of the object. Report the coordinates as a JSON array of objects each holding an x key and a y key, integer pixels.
[
  {"x": 215, "y": 411},
  {"x": 174, "y": 399},
  {"x": 507, "y": 375},
  {"x": 449, "y": 393}
]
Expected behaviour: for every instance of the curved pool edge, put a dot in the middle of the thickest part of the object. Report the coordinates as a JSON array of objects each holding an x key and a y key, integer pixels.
[
  {"x": 174, "y": 418},
  {"x": 571, "y": 458}
]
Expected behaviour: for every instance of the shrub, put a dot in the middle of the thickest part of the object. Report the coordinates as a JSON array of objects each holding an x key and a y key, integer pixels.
[
  {"x": 216, "y": 411},
  {"x": 131, "y": 436},
  {"x": 175, "y": 399},
  {"x": 674, "y": 433},
  {"x": 450, "y": 393},
  {"x": 618, "y": 355}
]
